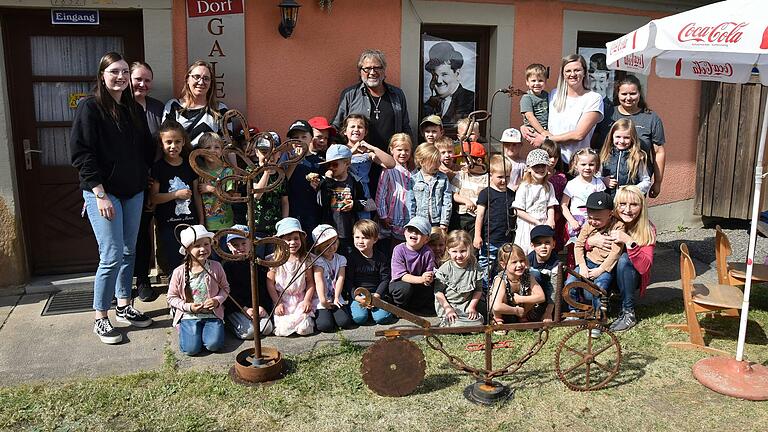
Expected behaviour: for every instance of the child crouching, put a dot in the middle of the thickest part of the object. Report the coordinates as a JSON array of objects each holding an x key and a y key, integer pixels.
[
  {"x": 239, "y": 277},
  {"x": 330, "y": 270},
  {"x": 458, "y": 284},
  {"x": 196, "y": 294}
]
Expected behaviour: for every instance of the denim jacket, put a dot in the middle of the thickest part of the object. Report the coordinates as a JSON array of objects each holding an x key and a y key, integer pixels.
[{"x": 432, "y": 200}]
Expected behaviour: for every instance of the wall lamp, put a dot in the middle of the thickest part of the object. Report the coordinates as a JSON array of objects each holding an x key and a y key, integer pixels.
[{"x": 289, "y": 14}]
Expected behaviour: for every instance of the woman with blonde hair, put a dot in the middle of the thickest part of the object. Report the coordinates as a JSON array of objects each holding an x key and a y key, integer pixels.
[
  {"x": 574, "y": 110},
  {"x": 633, "y": 270}
]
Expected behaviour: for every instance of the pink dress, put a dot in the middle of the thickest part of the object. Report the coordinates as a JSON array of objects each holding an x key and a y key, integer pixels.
[{"x": 294, "y": 319}]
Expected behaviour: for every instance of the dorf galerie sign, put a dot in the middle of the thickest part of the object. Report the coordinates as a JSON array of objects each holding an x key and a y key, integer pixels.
[{"x": 216, "y": 34}]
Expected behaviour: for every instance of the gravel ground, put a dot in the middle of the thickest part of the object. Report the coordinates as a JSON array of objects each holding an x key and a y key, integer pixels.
[{"x": 701, "y": 240}]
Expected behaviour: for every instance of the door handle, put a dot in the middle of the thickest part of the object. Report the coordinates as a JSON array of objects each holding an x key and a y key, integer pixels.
[{"x": 28, "y": 153}]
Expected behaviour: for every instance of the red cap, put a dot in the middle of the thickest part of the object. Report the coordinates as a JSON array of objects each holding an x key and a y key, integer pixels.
[
  {"x": 475, "y": 149},
  {"x": 321, "y": 123}
]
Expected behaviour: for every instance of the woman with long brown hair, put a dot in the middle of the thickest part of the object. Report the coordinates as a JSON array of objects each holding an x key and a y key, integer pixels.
[{"x": 112, "y": 148}]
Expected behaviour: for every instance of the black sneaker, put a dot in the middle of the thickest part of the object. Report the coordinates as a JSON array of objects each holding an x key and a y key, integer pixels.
[
  {"x": 130, "y": 315},
  {"x": 104, "y": 330},
  {"x": 626, "y": 321},
  {"x": 146, "y": 293}
]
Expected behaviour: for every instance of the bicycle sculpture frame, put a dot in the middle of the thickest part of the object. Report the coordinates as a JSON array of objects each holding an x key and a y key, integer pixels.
[{"x": 395, "y": 366}]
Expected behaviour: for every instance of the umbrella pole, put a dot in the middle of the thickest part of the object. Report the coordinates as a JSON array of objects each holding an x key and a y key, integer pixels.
[{"x": 735, "y": 377}]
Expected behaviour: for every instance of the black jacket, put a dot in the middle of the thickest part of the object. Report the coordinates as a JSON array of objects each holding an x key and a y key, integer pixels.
[
  {"x": 462, "y": 103},
  {"x": 114, "y": 154}
]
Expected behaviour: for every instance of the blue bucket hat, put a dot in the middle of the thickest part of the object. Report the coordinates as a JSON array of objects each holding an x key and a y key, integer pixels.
[
  {"x": 288, "y": 225},
  {"x": 337, "y": 152}
]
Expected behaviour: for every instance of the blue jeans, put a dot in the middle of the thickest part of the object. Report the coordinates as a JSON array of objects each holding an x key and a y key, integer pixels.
[
  {"x": 628, "y": 280},
  {"x": 194, "y": 334},
  {"x": 603, "y": 281},
  {"x": 487, "y": 263},
  {"x": 117, "y": 247},
  {"x": 360, "y": 314}
]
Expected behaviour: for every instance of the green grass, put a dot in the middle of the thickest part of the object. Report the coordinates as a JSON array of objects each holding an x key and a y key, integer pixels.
[{"x": 323, "y": 390}]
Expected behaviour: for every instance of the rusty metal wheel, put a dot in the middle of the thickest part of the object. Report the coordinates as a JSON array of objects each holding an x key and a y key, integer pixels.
[
  {"x": 393, "y": 367},
  {"x": 587, "y": 361}
]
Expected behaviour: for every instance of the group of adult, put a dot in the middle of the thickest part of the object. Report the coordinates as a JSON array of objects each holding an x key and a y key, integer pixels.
[{"x": 113, "y": 148}]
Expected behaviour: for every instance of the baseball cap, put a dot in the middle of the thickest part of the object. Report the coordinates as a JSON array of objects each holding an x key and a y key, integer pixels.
[
  {"x": 233, "y": 236},
  {"x": 599, "y": 201},
  {"x": 511, "y": 135},
  {"x": 537, "y": 157},
  {"x": 432, "y": 119},
  {"x": 337, "y": 152},
  {"x": 475, "y": 149},
  {"x": 263, "y": 143},
  {"x": 542, "y": 231},
  {"x": 321, "y": 123},
  {"x": 421, "y": 224},
  {"x": 300, "y": 125}
]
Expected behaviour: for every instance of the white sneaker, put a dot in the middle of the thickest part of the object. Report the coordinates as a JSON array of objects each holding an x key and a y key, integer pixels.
[
  {"x": 104, "y": 330},
  {"x": 131, "y": 315},
  {"x": 595, "y": 333}
]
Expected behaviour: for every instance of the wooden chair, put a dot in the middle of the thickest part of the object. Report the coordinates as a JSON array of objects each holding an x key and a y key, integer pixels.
[
  {"x": 701, "y": 298},
  {"x": 734, "y": 273}
]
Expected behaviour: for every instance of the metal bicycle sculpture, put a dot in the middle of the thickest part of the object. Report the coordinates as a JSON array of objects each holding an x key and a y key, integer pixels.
[
  {"x": 260, "y": 363},
  {"x": 395, "y": 366},
  {"x": 584, "y": 360}
]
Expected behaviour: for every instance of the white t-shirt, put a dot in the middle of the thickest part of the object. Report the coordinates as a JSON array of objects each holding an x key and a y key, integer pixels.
[
  {"x": 568, "y": 119},
  {"x": 579, "y": 191}
]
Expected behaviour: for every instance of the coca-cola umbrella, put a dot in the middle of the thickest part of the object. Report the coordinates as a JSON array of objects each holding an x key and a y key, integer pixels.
[{"x": 727, "y": 42}]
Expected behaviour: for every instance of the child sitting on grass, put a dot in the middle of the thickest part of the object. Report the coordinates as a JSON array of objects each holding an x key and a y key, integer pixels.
[
  {"x": 517, "y": 296},
  {"x": 330, "y": 271},
  {"x": 458, "y": 284}
]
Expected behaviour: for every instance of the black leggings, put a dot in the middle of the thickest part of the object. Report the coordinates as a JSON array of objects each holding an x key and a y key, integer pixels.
[
  {"x": 329, "y": 320},
  {"x": 413, "y": 297},
  {"x": 144, "y": 258}
]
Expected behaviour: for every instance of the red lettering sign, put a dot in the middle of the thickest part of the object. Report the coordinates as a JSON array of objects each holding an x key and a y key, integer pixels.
[
  {"x": 618, "y": 45},
  {"x": 636, "y": 61},
  {"x": 200, "y": 8},
  {"x": 705, "y": 68},
  {"x": 724, "y": 33}
]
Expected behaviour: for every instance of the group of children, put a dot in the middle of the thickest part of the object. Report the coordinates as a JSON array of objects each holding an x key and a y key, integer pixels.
[{"x": 492, "y": 225}]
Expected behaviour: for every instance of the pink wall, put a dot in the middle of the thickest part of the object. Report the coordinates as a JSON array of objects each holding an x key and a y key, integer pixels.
[{"x": 302, "y": 76}]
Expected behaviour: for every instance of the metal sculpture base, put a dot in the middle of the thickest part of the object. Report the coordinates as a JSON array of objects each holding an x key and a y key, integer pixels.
[
  {"x": 739, "y": 379},
  {"x": 483, "y": 393},
  {"x": 270, "y": 367}
]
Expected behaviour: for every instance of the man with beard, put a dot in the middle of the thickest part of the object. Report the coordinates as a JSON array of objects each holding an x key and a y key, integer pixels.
[
  {"x": 449, "y": 100},
  {"x": 383, "y": 104}
]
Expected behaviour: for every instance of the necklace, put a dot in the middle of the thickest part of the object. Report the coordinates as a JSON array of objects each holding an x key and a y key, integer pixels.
[{"x": 376, "y": 103}]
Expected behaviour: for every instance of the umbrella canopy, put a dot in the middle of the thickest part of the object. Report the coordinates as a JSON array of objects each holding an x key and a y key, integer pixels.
[
  {"x": 719, "y": 42},
  {"x": 726, "y": 42}
]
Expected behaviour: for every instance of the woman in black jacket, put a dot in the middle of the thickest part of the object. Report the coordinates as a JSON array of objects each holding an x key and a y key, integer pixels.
[{"x": 112, "y": 148}]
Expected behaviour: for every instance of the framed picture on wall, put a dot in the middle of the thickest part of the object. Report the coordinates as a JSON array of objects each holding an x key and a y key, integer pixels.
[
  {"x": 453, "y": 72},
  {"x": 600, "y": 77},
  {"x": 591, "y": 46}
]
